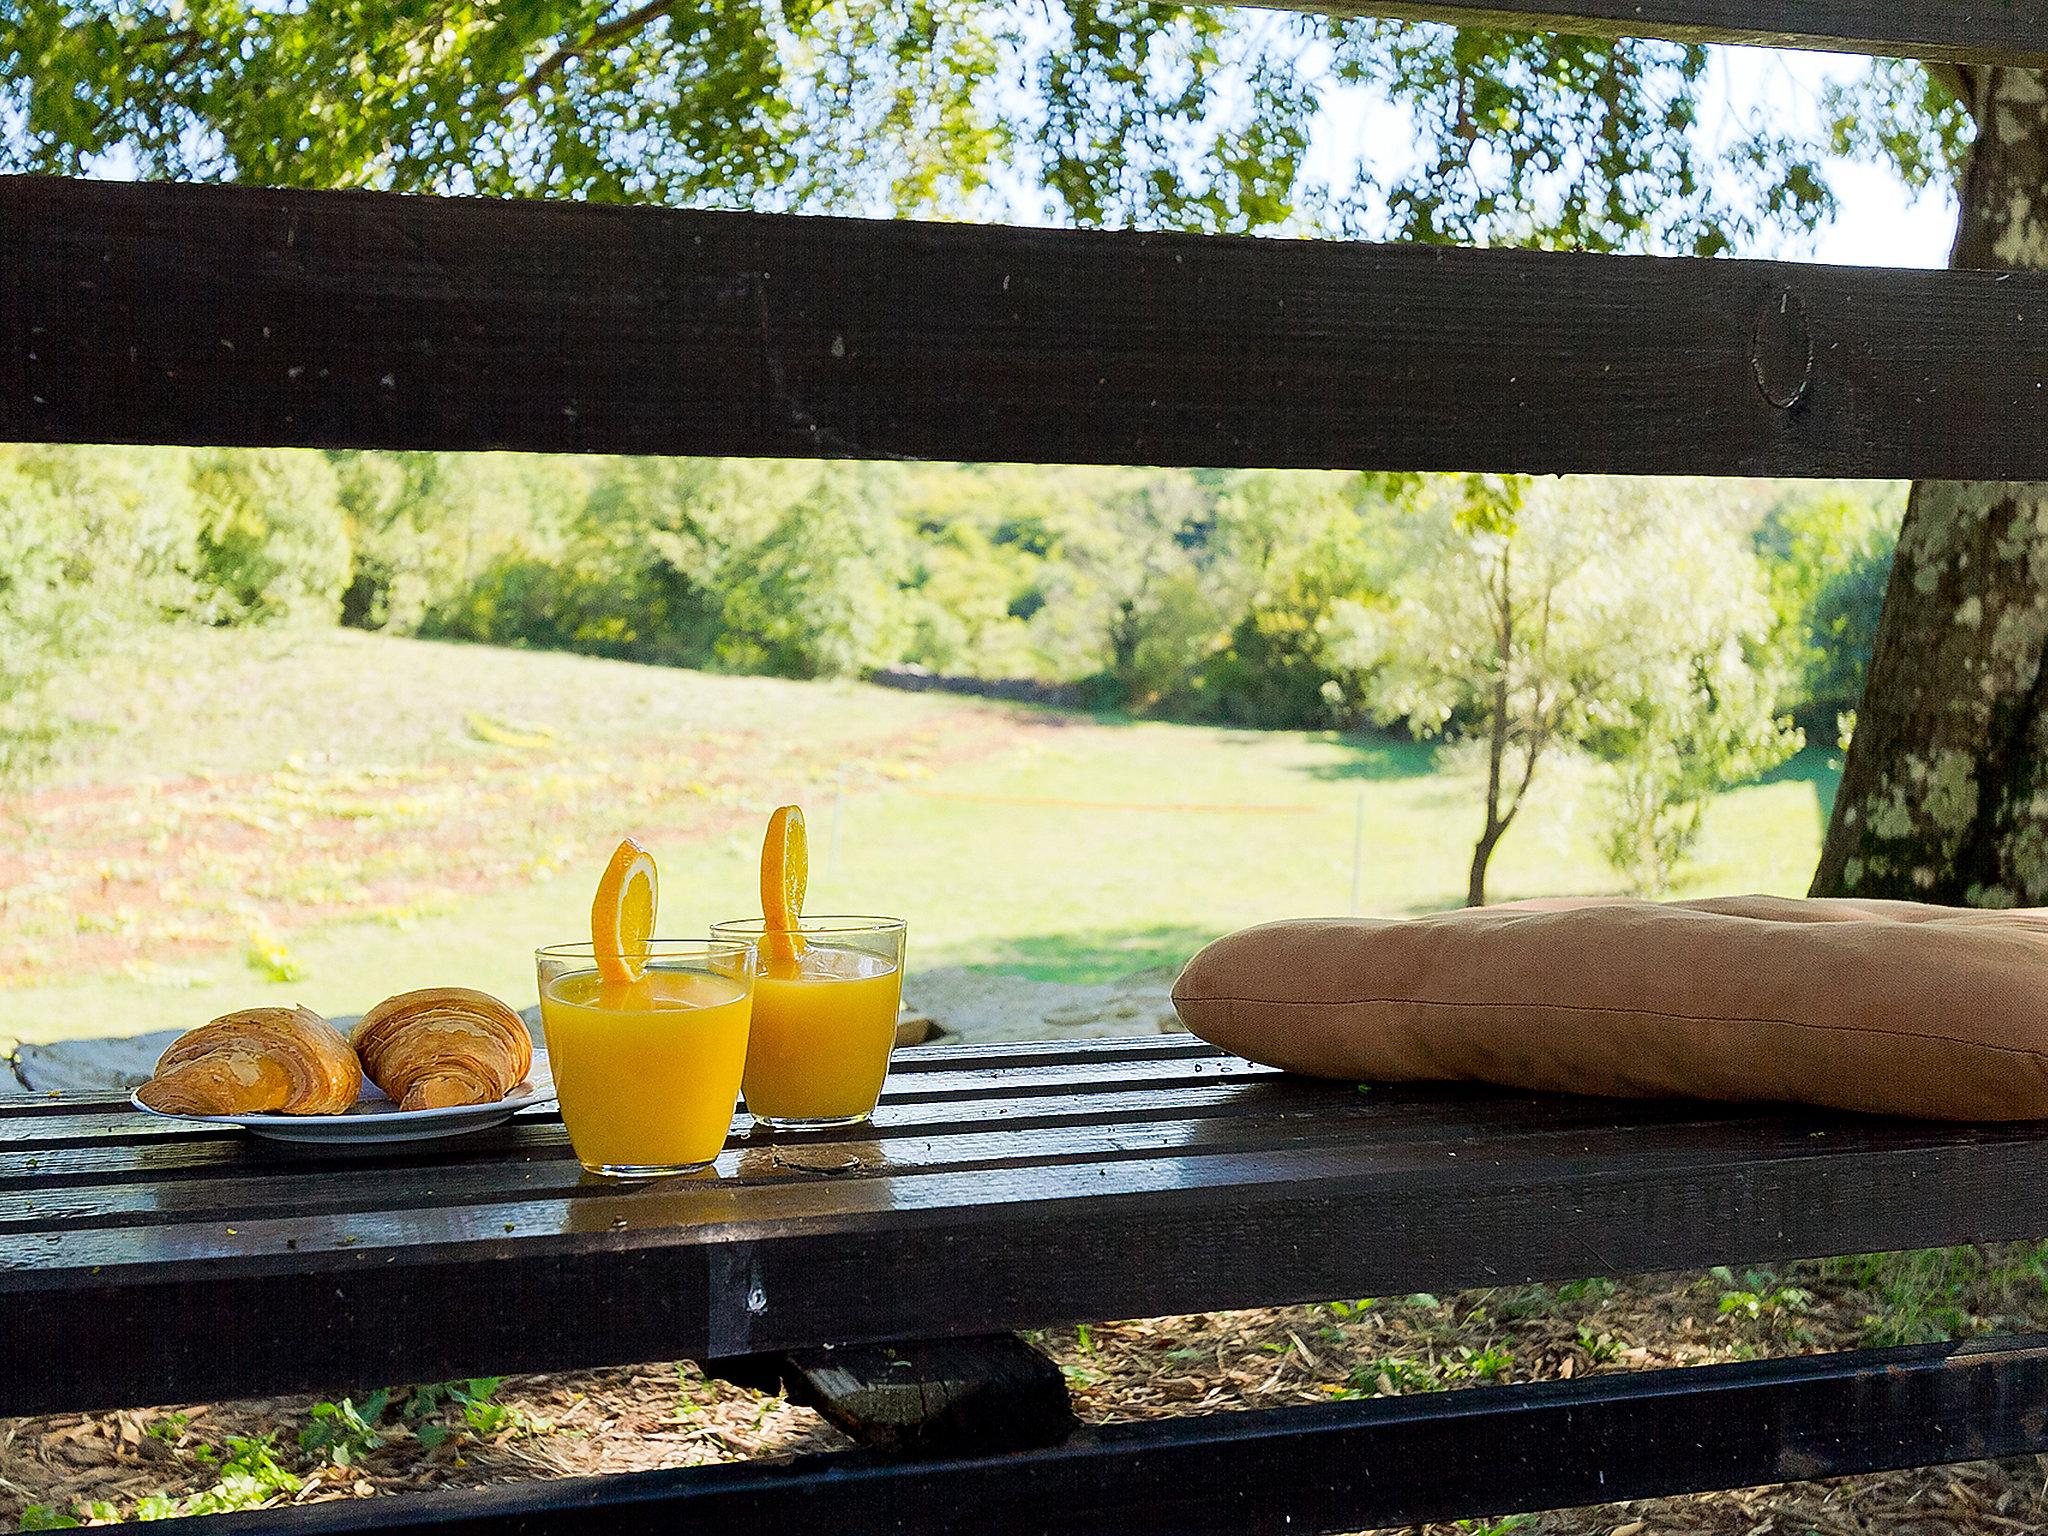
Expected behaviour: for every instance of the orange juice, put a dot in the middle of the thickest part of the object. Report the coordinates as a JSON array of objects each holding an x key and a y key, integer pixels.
[
  {"x": 647, "y": 1072},
  {"x": 821, "y": 1036}
]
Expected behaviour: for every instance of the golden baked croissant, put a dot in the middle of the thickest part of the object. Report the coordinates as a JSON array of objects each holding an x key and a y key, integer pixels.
[
  {"x": 444, "y": 1045},
  {"x": 254, "y": 1062}
]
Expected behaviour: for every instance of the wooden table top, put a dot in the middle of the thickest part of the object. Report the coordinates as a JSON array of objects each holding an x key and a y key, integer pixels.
[{"x": 147, "y": 1261}]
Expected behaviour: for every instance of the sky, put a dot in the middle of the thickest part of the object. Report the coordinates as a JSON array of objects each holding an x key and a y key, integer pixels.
[{"x": 1878, "y": 221}]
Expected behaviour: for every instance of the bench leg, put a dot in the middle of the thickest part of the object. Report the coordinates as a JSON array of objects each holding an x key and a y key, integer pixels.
[{"x": 929, "y": 1398}]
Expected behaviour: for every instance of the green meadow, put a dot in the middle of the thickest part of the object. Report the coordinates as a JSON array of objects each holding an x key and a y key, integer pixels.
[{"x": 327, "y": 816}]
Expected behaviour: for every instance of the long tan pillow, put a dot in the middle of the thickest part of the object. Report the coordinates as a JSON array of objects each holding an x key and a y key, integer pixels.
[{"x": 1891, "y": 1007}]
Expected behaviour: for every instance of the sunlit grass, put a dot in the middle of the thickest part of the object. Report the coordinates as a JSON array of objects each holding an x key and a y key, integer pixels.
[{"x": 378, "y": 843}]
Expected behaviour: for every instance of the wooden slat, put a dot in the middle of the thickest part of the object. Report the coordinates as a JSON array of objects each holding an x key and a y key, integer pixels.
[
  {"x": 717, "y": 1266},
  {"x": 227, "y": 1188},
  {"x": 1954, "y": 31},
  {"x": 178, "y": 314},
  {"x": 997, "y": 1082},
  {"x": 1390, "y": 1462}
]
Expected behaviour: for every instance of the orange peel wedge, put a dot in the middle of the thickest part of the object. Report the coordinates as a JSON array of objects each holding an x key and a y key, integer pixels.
[
  {"x": 622, "y": 914},
  {"x": 785, "y": 874}
]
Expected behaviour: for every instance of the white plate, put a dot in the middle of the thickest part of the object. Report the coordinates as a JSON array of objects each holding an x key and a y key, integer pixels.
[{"x": 372, "y": 1121}]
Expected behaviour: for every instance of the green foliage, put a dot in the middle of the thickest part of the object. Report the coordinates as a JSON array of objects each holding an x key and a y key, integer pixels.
[
  {"x": 273, "y": 542},
  {"x": 1594, "y": 1289},
  {"x": 1902, "y": 115},
  {"x": 1592, "y": 144},
  {"x": 249, "y": 1475},
  {"x": 426, "y": 528},
  {"x": 1104, "y": 112},
  {"x": 817, "y": 596},
  {"x": 1936, "y": 1294},
  {"x": 1827, "y": 553},
  {"x": 1623, "y": 619},
  {"x": 1695, "y": 705},
  {"x": 1506, "y": 1525},
  {"x": 1757, "y": 1294},
  {"x": 474, "y": 1404},
  {"x": 1493, "y": 1363},
  {"x": 343, "y": 1433},
  {"x": 94, "y": 546},
  {"x": 1600, "y": 1347},
  {"x": 1300, "y": 551},
  {"x": 1395, "y": 1376}
]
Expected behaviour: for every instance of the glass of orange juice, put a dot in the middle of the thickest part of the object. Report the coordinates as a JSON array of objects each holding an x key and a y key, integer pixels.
[
  {"x": 826, "y": 995},
  {"x": 647, "y": 1072}
]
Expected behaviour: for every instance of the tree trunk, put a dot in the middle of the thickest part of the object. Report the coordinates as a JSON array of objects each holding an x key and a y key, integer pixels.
[
  {"x": 1482, "y": 855},
  {"x": 1944, "y": 796}
]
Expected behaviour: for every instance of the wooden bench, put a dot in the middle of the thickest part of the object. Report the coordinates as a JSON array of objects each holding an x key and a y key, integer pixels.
[{"x": 1006, "y": 1188}]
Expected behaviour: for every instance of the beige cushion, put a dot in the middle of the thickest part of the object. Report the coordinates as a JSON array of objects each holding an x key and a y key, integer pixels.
[{"x": 1892, "y": 1007}]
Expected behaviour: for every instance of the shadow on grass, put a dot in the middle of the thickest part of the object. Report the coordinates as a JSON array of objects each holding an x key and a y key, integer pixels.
[
  {"x": 1369, "y": 755},
  {"x": 1820, "y": 769},
  {"x": 1088, "y": 955}
]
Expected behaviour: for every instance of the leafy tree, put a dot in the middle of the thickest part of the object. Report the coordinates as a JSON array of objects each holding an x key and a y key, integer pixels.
[
  {"x": 1291, "y": 550},
  {"x": 1136, "y": 557},
  {"x": 1500, "y": 628},
  {"x": 94, "y": 545},
  {"x": 1127, "y": 112},
  {"x": 1100, "y": 111},
  {"x": 424, "y": 528},
  {"x": 273, "y": 542},
  {"x": 973, "y": 584},
  {"x": 1827, "y": 552},
  {"x": 818, "y": 596},
  {"x": 1694, "y": 705},
  {"x": 1626, "y": 619}
]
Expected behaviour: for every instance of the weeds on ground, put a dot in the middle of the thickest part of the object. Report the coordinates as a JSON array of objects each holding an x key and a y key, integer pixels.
[{"x": 249, "y": 1472}]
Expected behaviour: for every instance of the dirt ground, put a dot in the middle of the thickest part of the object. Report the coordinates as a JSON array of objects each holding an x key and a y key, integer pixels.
[{"x": 156, "y": 1462}]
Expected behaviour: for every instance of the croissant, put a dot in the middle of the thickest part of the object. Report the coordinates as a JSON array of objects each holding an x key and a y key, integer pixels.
[
  {"x": 444, "y": 1045},
  {"x": 254, "y": 1062}
]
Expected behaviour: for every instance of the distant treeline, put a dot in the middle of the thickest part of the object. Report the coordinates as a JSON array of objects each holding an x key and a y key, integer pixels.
[{"x": 1227, "y": 596}]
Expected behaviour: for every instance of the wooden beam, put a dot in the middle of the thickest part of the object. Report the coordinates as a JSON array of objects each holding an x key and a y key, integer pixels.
[
  {"x": 1389, "y": 1462},
  {"x": 224, "y": 315},
  {"x": 1951, "y": 31}
]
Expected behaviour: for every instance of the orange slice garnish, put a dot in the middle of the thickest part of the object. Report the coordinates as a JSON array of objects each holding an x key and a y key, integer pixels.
[
  {"x": 622, "y": 914},
  {"x": 785, "y": 872}
]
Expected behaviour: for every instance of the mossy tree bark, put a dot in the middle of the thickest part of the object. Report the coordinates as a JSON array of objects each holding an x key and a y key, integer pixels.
[{"x": 1944, "y": 796}]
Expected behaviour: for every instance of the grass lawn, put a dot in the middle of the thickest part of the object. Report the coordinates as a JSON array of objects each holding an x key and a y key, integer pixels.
[{"x": 329, "y": 816}]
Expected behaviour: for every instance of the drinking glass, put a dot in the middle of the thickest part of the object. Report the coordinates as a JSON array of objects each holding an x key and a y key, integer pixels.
[
  {"x": 826, "y": 997},
  {"x": 647, "y": 1072}
]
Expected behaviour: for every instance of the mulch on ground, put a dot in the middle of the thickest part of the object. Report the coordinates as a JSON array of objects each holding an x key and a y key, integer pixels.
[{"x": 157, "y": 1461}]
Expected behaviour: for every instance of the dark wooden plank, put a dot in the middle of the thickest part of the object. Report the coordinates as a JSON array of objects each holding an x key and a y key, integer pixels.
[
  {"x": 1095, "y": 1052},
  {"x": 180, "y": 314},
  {"x": 1078, "y": 1080},
  {"x": 234, "y": 1195},
  {"x": 1955, "y": 31},
  {"x": 233, "y": 1188},
  {"x": 710, "y": 1267},
  {"x": 18, "y": 1107},
  {"x": 1293, "y": 1471}
]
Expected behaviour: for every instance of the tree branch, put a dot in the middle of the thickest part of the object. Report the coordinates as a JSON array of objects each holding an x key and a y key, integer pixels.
[{"x": 611, "y": 31}]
